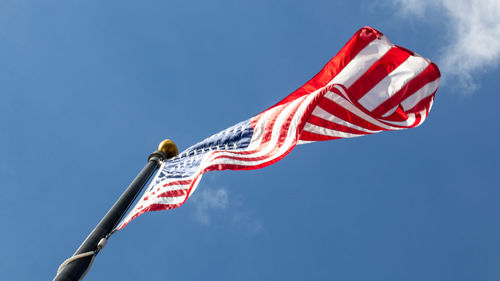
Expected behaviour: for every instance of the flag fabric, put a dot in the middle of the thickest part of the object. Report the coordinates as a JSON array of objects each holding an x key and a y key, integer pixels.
[{"x": 370, "y": 86}]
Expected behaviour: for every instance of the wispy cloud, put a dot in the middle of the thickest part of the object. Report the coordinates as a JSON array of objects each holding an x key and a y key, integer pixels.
[
  {"x": 473, "y": 39},
  {"x": 211, "y": 204},
  {"x": 248, "y": 223},
  {"x": 208, "y": 200}
]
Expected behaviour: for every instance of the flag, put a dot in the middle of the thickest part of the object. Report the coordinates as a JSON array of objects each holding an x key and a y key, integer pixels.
[{"x": 370, "y": 86}]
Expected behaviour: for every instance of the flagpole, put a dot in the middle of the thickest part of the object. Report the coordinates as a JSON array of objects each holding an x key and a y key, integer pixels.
[{"x": 76, "y": 267}]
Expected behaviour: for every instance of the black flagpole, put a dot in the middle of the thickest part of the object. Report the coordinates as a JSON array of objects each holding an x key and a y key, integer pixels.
[{"x": 80, "y": 262}]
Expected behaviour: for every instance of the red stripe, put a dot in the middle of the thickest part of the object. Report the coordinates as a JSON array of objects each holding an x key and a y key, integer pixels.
[
  {"x": 378, "y": 71},
  {"x": 267, "y": 132},
  {"x": 309, "y": 110},
  {"x": 423, "y": 104},
  {"x": 336, "y": 110},
  {"x": 398, "y": 115},
  {"x": 430, "y": 74},
  {"x": 179, "y": 182},
  {"x": 160, "y": 207},
  {"x": 357, "y": 43},
  {"x": 152, "y": 207},
  {"x": 244, "y": 167},
  {"x": 418, "y": 117},
  {"x": 285, "y": 127},
  {"x": 309, "y": 136},
  {"x": 173, "y": 193},
  {"x": 365, "y": 111}
]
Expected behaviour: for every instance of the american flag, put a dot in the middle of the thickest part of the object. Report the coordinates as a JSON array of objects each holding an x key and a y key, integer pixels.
[{"x": 370, "y": 86}]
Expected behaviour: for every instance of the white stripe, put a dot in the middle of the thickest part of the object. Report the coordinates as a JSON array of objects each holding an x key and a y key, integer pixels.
[
  {"x": 362, "y": 62},
  {"x": 143, "y": 202},
  {"x": 427, "y": 90},
  {"x": 170, "y": 180},
  {"x": 260, "y": 127},
  {"x": 166, "y": 180},
  {"x": 152, "y": 199},
  {"x": 195, "y": 184},
  {"x": 423, "y": 113},
  {"x": 407, "y": 123},
  {"x": 390, "y": 112},
  {"x": 343, "y": 92},
  {"x": 393, "y": 82},
  {"x": 173, "y": 187},
  {"x": 132, "y": 211},
  {"x": 353, "y": 109},
  {"x": 289, "y": 141},
  {"x": 167, "y": 200},
  {"x": 304, "y": 142},
  {"x": 328, "y": 132},
  {"x": 282, "y": 117},
  {"x": 430, "y": 105},
  {"x": 323, "y": 114}
]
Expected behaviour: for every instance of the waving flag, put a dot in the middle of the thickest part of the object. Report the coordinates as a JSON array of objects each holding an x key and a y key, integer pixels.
[{"x": 370, "y": 86}]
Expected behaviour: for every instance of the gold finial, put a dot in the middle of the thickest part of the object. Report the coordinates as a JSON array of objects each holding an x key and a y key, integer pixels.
[{"x": 169, "y": 148}]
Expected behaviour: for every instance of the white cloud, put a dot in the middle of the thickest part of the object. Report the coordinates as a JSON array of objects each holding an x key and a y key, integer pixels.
[
  {"x": 210, "y": 203},
  {"x": 413, "y": 6},
  {"x": 207, "y": 200},
  {"x": 249, "y": 224},
  {"x": 473, "y": 42}
]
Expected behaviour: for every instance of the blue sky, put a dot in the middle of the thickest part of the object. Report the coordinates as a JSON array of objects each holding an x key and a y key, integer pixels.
[{"x": 89, "y": 88}]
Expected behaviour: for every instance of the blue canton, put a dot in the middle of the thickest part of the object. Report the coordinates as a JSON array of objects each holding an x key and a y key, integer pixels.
[{"x": 187, "y": 163}]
